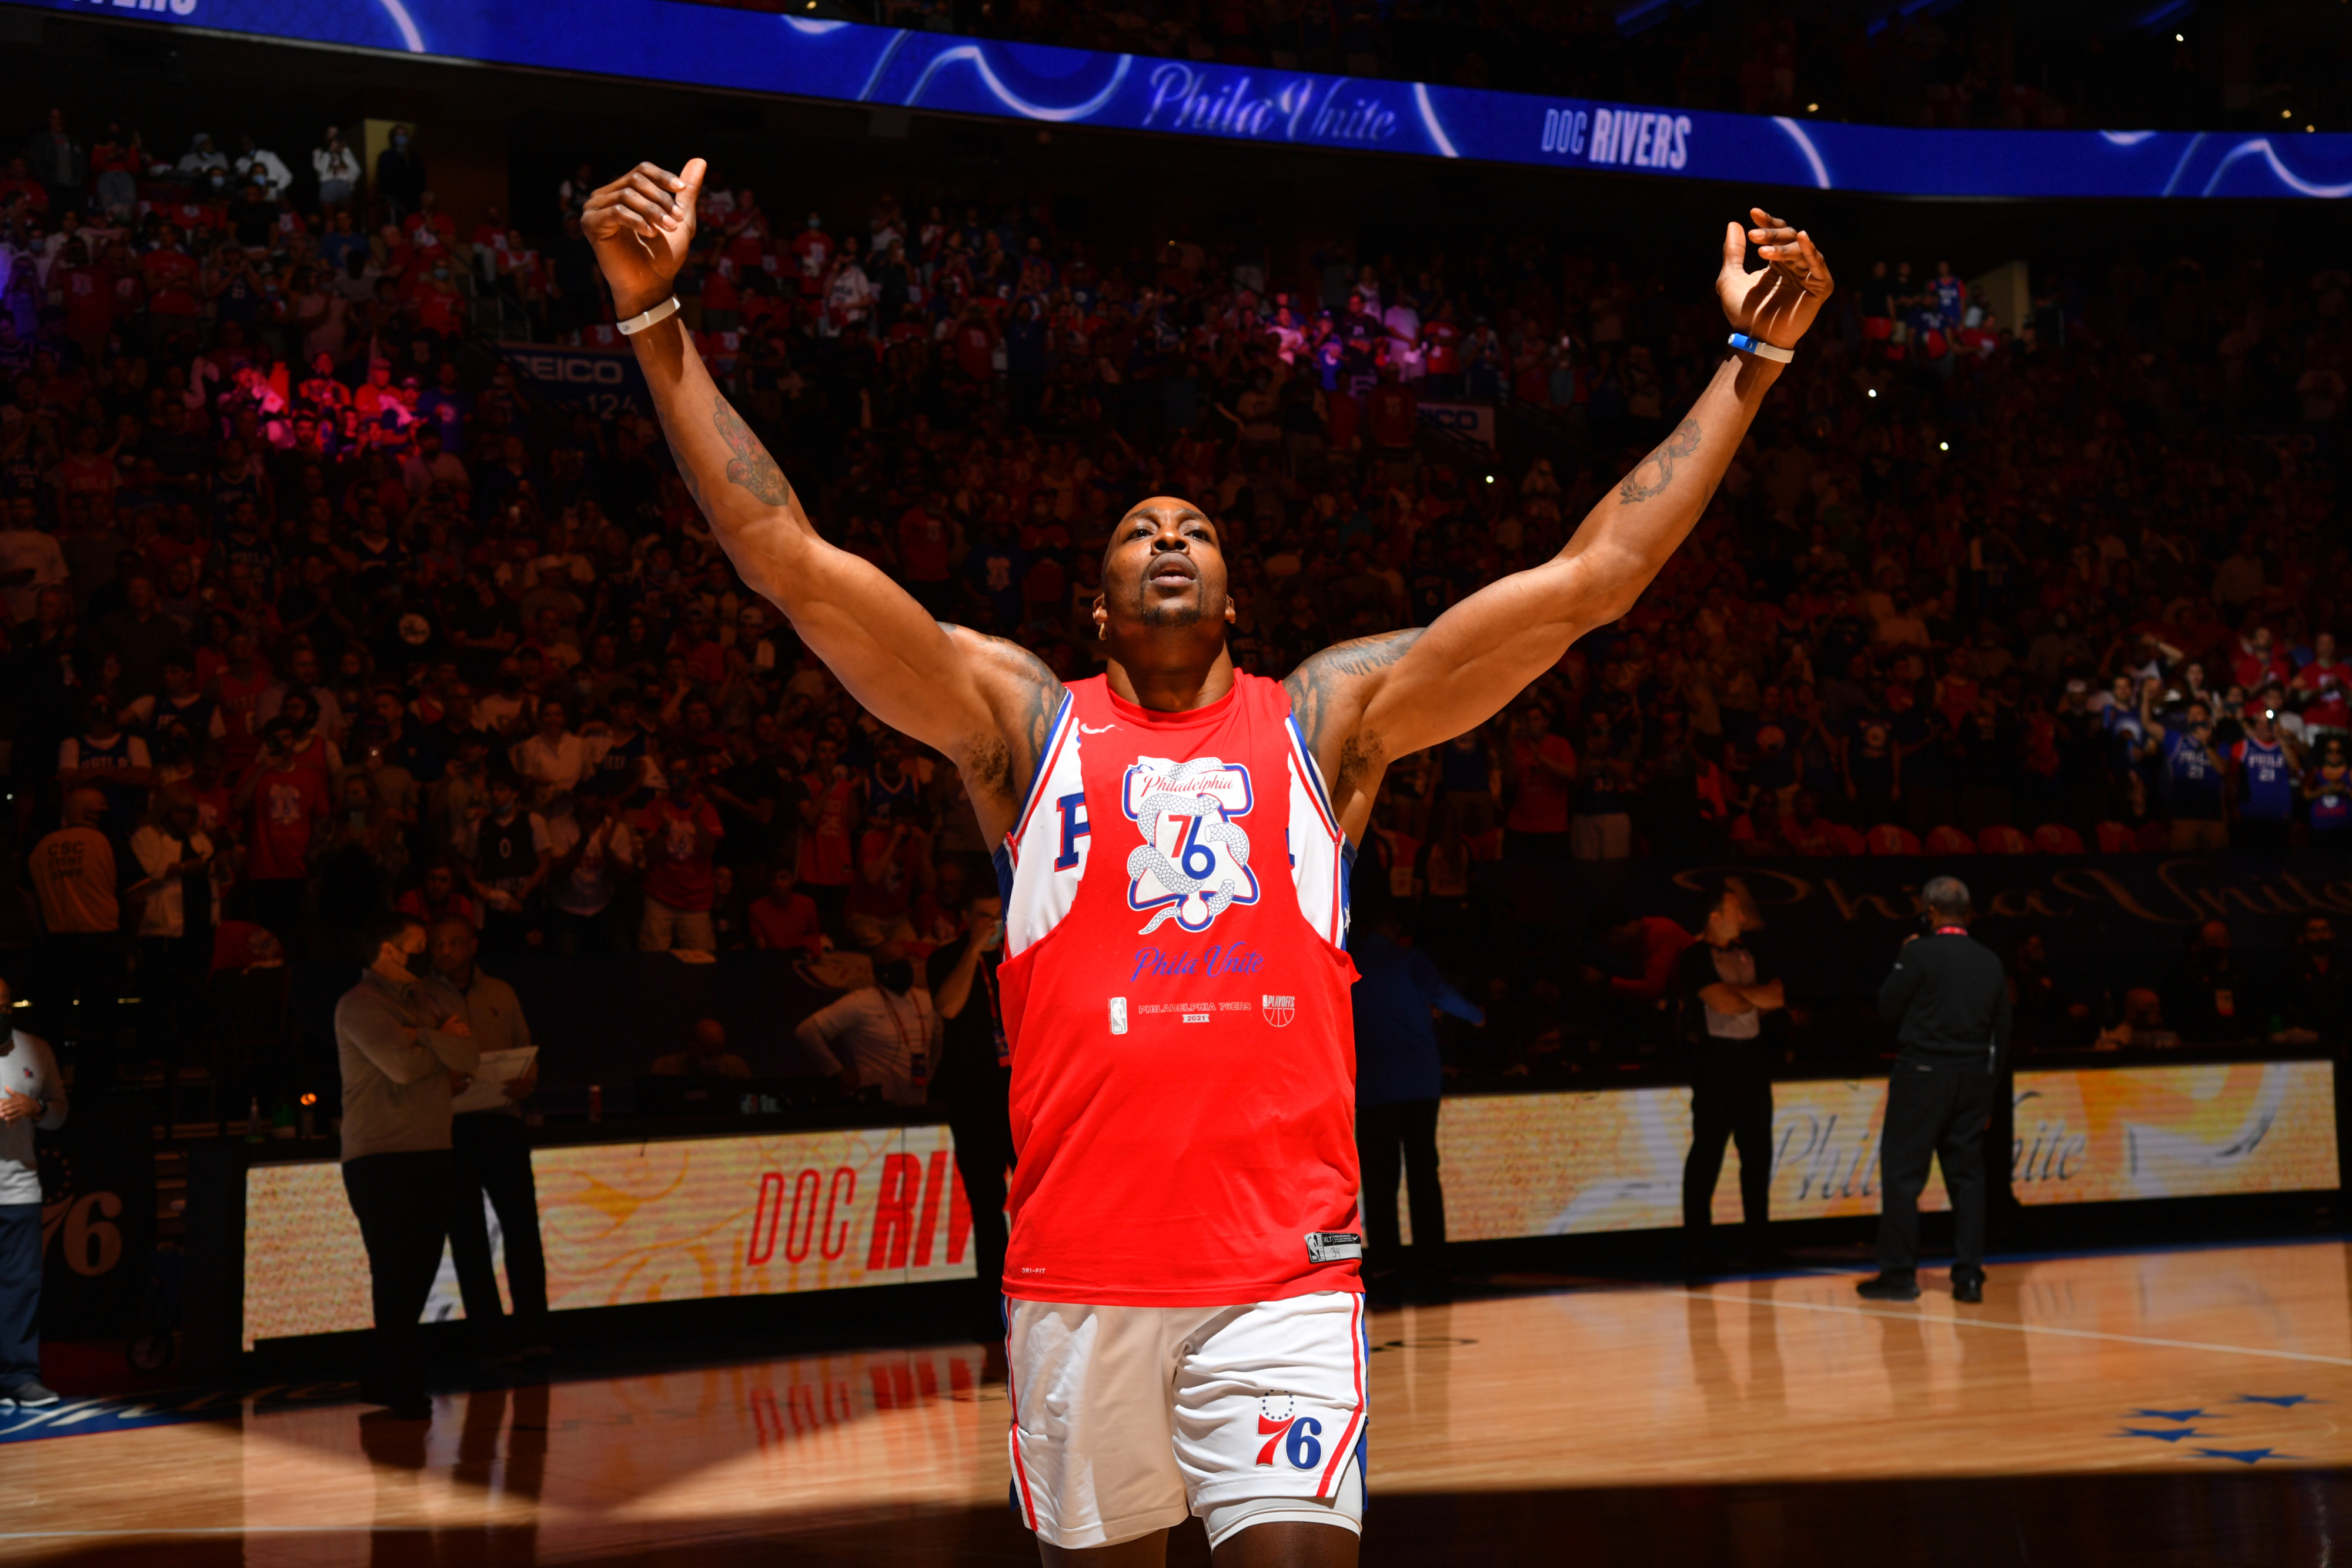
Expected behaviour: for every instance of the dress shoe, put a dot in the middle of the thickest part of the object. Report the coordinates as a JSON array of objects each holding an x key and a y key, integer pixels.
[
  {"x": 1969, "y": 1287},
  {"x": 1902, "y": 1286}
]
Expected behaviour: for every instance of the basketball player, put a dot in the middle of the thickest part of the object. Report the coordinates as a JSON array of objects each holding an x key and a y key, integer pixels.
[{"x": 1184, "y": 1320}]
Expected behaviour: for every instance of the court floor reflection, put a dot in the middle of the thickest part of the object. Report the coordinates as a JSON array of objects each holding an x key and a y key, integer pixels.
[{"x": 2193, "y": 1395}]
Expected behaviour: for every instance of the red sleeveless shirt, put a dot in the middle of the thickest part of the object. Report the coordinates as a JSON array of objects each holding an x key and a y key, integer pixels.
[{"x": 1175, "y": 989}]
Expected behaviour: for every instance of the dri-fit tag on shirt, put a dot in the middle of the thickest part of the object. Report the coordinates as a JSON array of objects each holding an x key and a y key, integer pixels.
[{"x": 1333, "y": 1246}]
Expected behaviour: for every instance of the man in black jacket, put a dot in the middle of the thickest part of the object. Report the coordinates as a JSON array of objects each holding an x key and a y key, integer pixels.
[{"x": 1951, "y": 999}]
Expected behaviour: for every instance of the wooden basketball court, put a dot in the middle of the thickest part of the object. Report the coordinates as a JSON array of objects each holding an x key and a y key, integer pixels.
[{"x": 2166, "y": 1407}]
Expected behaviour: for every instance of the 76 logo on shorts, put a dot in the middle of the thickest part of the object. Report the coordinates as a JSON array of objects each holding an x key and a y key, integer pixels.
[{"x": 1297, "y": 1436}]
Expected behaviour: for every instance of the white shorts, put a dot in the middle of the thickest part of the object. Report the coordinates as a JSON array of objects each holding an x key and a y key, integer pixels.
[{"x": 1126, "y": 1419}]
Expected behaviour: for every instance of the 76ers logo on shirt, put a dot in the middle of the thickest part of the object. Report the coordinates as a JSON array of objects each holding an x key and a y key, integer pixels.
[{"x": 1193, "y": 862}]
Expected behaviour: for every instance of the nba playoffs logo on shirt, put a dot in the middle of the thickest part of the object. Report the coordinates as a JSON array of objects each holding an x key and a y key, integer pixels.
[
  {"x": 1280, "y": 1010},
  {"x": 1193, "y": 862}
]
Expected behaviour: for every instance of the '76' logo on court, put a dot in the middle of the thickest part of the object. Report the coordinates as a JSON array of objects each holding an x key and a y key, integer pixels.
[{"x": 1193, "y": 862}]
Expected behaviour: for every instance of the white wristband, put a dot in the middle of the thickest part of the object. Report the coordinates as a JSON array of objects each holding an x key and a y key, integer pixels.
[
  {"x": 1748, "y": 345},
  {"x": 661, "y": 312}
]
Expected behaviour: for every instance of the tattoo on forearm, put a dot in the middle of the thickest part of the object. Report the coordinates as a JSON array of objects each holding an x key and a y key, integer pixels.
[
  {"x": 751, "y": 467},
  {"x": 1655, "y": 472}
]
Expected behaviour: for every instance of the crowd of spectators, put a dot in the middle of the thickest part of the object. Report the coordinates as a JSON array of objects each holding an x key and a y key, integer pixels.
[
  {"x": 1933, "y": 65},
  {"x": 317, "y": 604}
]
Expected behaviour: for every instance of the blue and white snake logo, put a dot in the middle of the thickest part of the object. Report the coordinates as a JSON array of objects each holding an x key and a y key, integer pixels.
[{"x": 1193, "y": 862}]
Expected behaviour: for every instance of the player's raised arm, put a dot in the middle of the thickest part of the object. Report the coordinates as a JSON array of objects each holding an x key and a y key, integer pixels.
[
  {"x": 985, "y": 702},
  {"x": 1363, "y": 703}
]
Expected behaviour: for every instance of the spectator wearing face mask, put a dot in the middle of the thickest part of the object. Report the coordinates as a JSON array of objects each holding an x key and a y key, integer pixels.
[
  {"x": 257, "y": 164},
  {"x": 400, "y": 173},
  {"x": 885, "y": 1037}
]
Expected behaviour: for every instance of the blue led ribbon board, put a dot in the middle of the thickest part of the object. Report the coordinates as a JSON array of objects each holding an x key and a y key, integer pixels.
[{"x": 843, "y": 62}]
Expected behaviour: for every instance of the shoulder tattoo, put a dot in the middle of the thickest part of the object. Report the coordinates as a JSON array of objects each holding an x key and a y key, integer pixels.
[
  {"x": 1317, "y": 687},
  {"x": 1005, "y": 761}
]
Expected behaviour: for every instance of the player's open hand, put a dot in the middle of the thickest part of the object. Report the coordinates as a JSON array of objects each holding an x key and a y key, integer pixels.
[
  {"x": 1779, "y": 303},
  {"x": 642, "y": 225}
]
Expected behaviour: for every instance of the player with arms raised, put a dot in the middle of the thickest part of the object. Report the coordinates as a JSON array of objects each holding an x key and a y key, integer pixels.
[{"x": 1184, "y": 1321}]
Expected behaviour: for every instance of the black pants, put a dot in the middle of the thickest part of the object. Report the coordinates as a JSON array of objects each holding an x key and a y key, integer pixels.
[
  {"x": 402, "y": 1202},
  {"x": 983, "y": 1148},
  {"x": 20, "y": 1294},
  {"x": 1383, "y": 1132},
  {"x": 492, "y": 1154},
  {"x": 1939, "y": 1110},
  {"x": 1731, "y": 1101}
]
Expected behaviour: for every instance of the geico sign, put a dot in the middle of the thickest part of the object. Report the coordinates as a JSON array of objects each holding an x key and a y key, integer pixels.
[
  {"x": 564, "y": 368},
  {"x": 1471, "y": 421}
]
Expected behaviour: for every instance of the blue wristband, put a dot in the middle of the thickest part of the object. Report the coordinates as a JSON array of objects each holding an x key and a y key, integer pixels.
[{"x": 1761, "y": 348}]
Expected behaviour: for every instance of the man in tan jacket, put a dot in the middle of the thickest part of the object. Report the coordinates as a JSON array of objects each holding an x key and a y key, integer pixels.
[{"x": 399, "y": 1067}]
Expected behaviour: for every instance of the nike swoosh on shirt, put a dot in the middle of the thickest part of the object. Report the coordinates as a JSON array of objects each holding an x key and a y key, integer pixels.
[{"x": 1089, "y": 729}]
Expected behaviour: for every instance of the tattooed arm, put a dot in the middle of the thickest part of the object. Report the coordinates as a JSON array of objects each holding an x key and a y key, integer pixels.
[
  {"x": 984, "y": 702},
  {"x": 1363, "y": 703}
]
